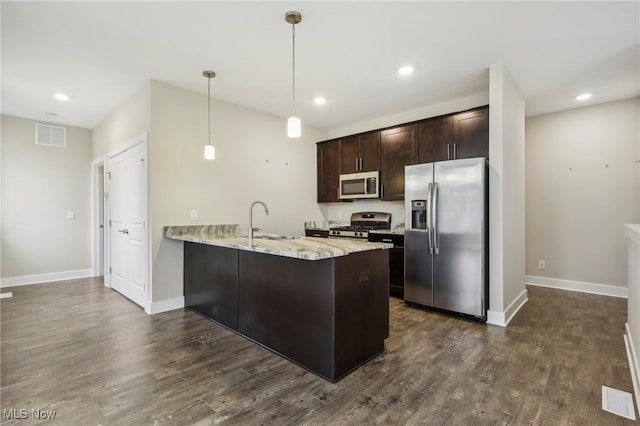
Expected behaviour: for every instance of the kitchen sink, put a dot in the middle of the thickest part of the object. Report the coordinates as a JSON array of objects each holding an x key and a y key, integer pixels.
[{"x": 277, "y": 237}]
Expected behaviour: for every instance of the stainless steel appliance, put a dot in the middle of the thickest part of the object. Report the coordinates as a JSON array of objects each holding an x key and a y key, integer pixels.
[
  {"x": 361, "y": 224},
  {"x": 360, "y": 185},
  {"x": 446, "y": 238}
]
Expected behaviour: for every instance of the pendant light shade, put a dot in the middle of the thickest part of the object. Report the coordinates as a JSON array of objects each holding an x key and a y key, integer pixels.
[
  {"x": 294, "y": 125},
  {"x": 209, "y": 150}
]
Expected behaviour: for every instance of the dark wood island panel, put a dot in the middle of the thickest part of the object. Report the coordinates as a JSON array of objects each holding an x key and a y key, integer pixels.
[
  {"x": 211, "y": 282},
  {"x": 329, "y": 316}
]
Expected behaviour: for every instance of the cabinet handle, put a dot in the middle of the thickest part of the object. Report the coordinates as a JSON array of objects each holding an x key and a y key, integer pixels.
[
  {"x": 361, "y": 162},
  {"x": 338, "y": 193},
  {"x": 455, "y": 151},
  {"x": 448, "y": 152},
  {"x": 356, "y": 164},
  {"x": 381, "y": 191}
]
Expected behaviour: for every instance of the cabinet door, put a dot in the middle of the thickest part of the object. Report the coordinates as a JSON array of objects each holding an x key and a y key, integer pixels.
[
  {"x": 398, "y": 148},
  {"x": 328, "y": 166},
  {"x": 349, "y": 154},
  {"x": 435, "y": 140},
  {"x": 471, "y": 134},
  {"x": 370, "y": 152}
]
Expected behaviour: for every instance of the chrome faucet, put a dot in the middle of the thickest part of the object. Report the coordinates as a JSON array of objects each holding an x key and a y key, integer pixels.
[{"x": 266, "y": 210}]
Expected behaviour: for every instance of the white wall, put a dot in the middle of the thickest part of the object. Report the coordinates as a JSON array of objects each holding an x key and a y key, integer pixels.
[
  {"x": 507, "y": 292},
  {"x": 582, "y": 187},
  {"x": 254, "y": 160},
  {"x": 130, "y": 120},
  {"x": 40, "y": 184}
]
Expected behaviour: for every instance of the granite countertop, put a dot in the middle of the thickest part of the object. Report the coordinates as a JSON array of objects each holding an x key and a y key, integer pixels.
[{"x": 308, "y": 248}]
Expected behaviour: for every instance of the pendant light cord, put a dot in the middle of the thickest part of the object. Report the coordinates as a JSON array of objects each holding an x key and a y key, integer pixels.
[
  {"x": 293, "y": 38},
  {"x": 209, "y": 107}
]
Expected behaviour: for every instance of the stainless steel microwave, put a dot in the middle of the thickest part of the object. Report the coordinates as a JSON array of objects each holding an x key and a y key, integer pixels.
[{"x": 360, "y": 185}]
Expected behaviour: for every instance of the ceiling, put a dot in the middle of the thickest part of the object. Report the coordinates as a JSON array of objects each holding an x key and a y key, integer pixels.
[{"x": 100, "y": 53}]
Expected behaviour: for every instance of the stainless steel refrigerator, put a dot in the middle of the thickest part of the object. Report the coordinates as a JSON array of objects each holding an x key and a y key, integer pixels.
[{"x": 446, "y": 236}]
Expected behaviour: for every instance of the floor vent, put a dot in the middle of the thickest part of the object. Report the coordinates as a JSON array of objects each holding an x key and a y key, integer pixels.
[
  {"x": 618, "y": 402},
  {"x": 51, "y": 135}
]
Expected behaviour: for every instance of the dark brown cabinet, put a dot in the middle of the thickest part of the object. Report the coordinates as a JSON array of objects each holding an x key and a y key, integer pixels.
[
  {"x": 459, "y": 135},
  {"x": 398, "y": 148},
  {"x": 328, "y": 169},
  {"x": 211, "y": 282},
  {"x": 436, "y": 139},
  {"x": 360, "y": 153},
  {"x": 471, "y": 134}
]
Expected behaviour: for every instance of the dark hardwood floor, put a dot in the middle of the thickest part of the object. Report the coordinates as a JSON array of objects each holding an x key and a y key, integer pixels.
[{"x": 93, "y": 357}]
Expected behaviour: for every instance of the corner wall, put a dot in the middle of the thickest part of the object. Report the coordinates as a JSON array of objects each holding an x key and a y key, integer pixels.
[
  {"x": 40, "y": 185},
  {"x": 507, "y": 291},
  {"x": 582, "y": 187}
]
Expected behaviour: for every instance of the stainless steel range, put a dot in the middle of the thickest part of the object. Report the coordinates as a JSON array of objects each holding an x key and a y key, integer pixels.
[
  {"x": 361, "y": 224},
  {"x": 375, "y": 227}
]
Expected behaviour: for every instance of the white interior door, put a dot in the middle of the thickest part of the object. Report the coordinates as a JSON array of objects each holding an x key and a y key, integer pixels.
[{"x": 128, "y": 231}]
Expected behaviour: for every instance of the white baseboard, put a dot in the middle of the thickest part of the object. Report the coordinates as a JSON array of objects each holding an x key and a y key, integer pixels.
[
  {"x": 634, "y": 366},
  {"x": 583, "y": 287},
  {"x": 165, "y": 305},
  {"x": 45, "y": 278},
  {"x": 503, "y": 319}
]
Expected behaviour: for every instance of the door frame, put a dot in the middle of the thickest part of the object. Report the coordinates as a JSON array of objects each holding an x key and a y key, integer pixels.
[
  {"x": 98, "y": 215},
  {"x": 140, "y": 139}
]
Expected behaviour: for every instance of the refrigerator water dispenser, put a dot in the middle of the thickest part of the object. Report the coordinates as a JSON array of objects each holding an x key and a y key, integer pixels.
[{"x": 418, "y": 214}]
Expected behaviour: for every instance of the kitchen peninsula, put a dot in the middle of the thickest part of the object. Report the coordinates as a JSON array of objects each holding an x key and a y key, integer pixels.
[{"x": 321, "y": 303}]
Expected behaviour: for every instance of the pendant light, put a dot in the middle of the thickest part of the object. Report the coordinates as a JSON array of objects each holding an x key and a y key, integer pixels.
[
  {"x": 294, "y": 126},
  {"x": 209, "y": 150}
]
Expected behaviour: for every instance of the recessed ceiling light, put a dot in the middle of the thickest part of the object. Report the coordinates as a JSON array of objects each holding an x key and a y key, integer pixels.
[
  {"x": 320, "y": 100},
  {"x": 405, "y": 70},
  {"x": 61, "y": 97},
  {"x": 583, "y": 97}
]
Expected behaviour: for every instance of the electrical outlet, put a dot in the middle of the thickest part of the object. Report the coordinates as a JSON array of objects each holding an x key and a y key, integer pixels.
[
  {"x": 541, "y": 264},
  {"x": 194, "y": 215},
  {"x": 71, "y": 214}
]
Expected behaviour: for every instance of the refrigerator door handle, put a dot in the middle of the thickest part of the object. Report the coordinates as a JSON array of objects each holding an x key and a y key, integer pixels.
[
  {"x": 434, "y": 214},
  {"x": 429, "y": 227}
]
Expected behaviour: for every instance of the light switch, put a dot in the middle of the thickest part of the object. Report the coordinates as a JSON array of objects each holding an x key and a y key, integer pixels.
[
  {"x": 71, "y": 214},
  {"x": 194, "y": 214}
]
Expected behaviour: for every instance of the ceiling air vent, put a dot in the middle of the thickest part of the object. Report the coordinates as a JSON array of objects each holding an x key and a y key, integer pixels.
[{"x": 51, "y": 135}]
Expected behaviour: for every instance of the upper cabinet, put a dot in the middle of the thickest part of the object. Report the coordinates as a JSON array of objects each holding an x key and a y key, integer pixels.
[
  {"x": 471, "y": 134},
  {"x": 360, "y": 153},
  {"x": 436, "y": 139},
  {"x": 328, "y": 164},
  {"x": 459, "y": 135},
  {"x": 398, "y": 148}
]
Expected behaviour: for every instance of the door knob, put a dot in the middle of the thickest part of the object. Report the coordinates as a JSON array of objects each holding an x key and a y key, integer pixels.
[{"x": 124, "y": 231}]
